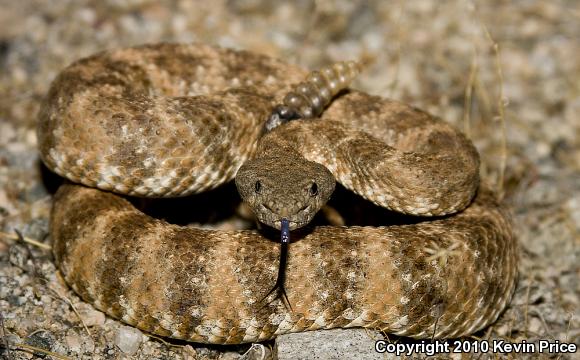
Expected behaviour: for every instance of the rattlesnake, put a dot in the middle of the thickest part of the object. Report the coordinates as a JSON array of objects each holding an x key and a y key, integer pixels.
[{"x": 170, "y": 120}]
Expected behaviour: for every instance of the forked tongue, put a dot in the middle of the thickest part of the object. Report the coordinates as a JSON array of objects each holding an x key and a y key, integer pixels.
[{"x": 279, "y": 286}]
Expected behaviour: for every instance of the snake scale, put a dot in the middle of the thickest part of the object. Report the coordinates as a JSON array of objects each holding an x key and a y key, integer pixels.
[{"x": 173, "y": 119}]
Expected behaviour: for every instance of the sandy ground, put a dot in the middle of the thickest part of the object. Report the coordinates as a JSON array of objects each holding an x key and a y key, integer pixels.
[{"x": 508, "y": 73}]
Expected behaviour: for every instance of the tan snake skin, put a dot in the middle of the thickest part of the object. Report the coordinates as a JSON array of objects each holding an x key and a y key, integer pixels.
[{"x": 170, "y": 120}]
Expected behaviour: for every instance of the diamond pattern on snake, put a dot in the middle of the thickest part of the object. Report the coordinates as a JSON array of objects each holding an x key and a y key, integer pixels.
[{"x": 170, "y": 120}]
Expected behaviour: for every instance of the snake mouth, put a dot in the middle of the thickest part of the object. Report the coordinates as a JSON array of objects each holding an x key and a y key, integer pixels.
[{"x": 272, "y": 218}]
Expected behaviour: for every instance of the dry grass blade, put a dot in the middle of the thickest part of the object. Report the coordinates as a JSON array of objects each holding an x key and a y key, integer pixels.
[
  {"x": 501, "y": 110},
  {"x": 25, "y": 239},
  {"x": 398, "y": 54},
  {"x": 74, "y": 309},
  {"x": 469, "y": 93},
  {"x": 35, "y": 349},
  {"x": 5, "y": 338}
]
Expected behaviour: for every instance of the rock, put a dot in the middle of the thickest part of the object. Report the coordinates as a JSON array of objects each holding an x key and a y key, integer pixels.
[
  {"x": 73, "y": 342},
  {"x": 257, "y": 352},
  {"x": 90, "y": 316},
  {"x": 188, "y": 353},
  {"x": 230, "y": 355},
  {"x": 18, "y": 255},
  {"x": 128, "y": 339},
  {"x": 329, "y": 344},
  {"x": 42, "y": 340}
]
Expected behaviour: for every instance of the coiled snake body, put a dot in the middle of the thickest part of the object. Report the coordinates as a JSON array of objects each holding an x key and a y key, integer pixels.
[{"x": 170, "y": 120}]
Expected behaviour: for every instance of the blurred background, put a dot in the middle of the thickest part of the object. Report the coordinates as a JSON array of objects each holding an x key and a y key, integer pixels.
[{"x": 505, "y": 72}]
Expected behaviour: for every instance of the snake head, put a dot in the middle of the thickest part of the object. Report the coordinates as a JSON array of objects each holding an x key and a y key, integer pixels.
[{"x": 278, "y": 187}]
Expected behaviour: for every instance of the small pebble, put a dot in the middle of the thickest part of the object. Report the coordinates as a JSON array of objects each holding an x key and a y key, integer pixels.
[
  {"x": 189, "y": 353},
  {"x": 73, "y": 342},
  {"x": 230, "y": 355},
  {"x": 18, "y": 255},
  {"x": 90, "y": 316},
  {"x": 257, "y": 352},
  {"x": 535, "y": 325},
  {"x": 128, "y": 339}
]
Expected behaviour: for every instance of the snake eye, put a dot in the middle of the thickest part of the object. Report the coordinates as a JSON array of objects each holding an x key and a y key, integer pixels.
[
  {"x": 258, "y": 186},
  {"x": 313, "y": 189}
]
